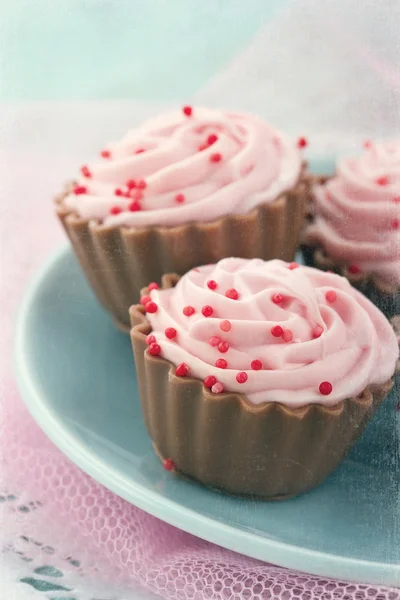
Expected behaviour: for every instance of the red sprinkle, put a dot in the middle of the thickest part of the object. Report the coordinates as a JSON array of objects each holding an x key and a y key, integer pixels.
[
  {"x": 277, "y": 298},
  {"x": 80, "y": 189},
  {"x": 277, "y": 331},
  {"x": 207, "y": 310},
  {"x": 182, "y": 370},
  {"x": 130, "y": 184},
  {"x": 212, "y": 285},
  {"x": 202, "y": 147},
  {"x": 145, "y": 299},
  {"x": 287, "y": 335},
  {"x": 225, "y": 325},
  {"x": 153, "y": 286},
  {"x": 134, "y": 206},
  {"x": 214, "y": 341},
  {"x": 223, "y": 347},
  {"x": 330, "y": 296},
  {"x": 118, "y": 192},
  {"x": 85, "y": 171},
  {"x": 210, "y": 381},
  {"x": 212, "y": 138},
  {"x": 232, "y": 294},
  {"x": 293, "y": 265},
  {"x": 168, "y": 464},
  {"x": 395, "y": 224},
  {"x": 140, "y": 151},
  {"x": 318, "y": 331},
  {"x": 256, "y": 365},
  {"x": 154, "y": 349},
  {"x": 150, "y": 339},
  {"x": 141, "y": 184},
  {"x": 354, "y": 270},
  {"x": 241, "y": 377},
  {"x": 105, "y": 154},
  {"x": 325, "y": 388},
  {"x": 221, "y": 363},
  {"x": 115, "y": 210},
  {"x": 367, "y": 144},
  {"x": 217, "y": 388},
  {"x": 151, "y": 307},
  {"x": 180, "y": 198},
  {"x": 384, "y": 180},
  {"x": 396, "y": 199},
  {"x": 170, "y": 333},
  {"x": 302, "y": 142},
  {"x": 187, "y": 110},
  {"x": 216, "y": 157},
  {"x": 188, "y": 311}
]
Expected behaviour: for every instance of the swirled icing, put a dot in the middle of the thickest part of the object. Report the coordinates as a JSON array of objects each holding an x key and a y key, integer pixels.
[
  {"x": 336, "y": 334},
  {"x": 357, "y": 213},
  {"x": 195, "y": 168}
]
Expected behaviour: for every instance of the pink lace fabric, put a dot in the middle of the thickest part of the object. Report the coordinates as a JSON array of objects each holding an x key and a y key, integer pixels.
[{"x": 113, "y": 542}]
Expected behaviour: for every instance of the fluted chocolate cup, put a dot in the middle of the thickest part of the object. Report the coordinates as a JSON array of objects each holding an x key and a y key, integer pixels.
[
  {"x": 118, "y": 261},
  {"x": 224, "y": 441}
]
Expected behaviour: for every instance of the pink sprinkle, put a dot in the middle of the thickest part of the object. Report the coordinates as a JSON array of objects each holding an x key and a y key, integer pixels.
[
  {"x": 105, "y": 154},
  {"x": 212, "y": 285},
  {"x": 217, "y": 388},
  {"x": 145, "y": 299},
  {"x": 223, "y": 347},
  {"x": 287, "y": 335},
  {"x": 293, "y": 265},
  {"x": 153, "y": 286},
  {"x": 232, "y": 294},
  {"x": 317, "y": 332},
  {"x": 256, "y": 365},
  {"x": 367, "y": 144},
  {"x": 241, "y": 377},
  {"x": 216, "y": 157},
  {"x": 150, "y": 339},
  {"x": 209, "y": 381},
  {"x": 86, "y": 171},
  {"x": 384, "y": 180},
  {"x": 325, "y": 388},
  {"x": 141, "y": 184},
  {"x": 140, "y": 151},
  {"x": 214, "y": 341},
  {"x": 188, "y": 311},
  {"x": 225, "y": 325},
  {"x": 330, "y": 296},
  {"x": 277, "y": 298},
  {"x": 221, "y": 363},
  {"x": 354, "y": 270},
  {"x": 207, "y": 311},
  {"x": 136, "y": 195},
  {"x": 180, "y": 198},
  {"x": 396, "y": 199},
  {"x": 277, "y": 331}
]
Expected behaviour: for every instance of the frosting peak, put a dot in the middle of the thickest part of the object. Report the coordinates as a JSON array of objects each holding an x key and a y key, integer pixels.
[
  {"x": 274, "y": 331},
  {"x": 187, "y": 166},
  {"x": 357, "y": 217}
]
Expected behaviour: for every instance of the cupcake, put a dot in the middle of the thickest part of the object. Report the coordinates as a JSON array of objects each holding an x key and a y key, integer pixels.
[
  {"x": 183, "y": 190},
  {"x": 257, "y": 377},
  {"x": 354, "y": 228}
]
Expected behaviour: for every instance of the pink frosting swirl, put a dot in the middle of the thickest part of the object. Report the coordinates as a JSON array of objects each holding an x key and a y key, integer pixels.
[
  {"x": 358, "y": 213},
  {"x": 180, "y": 168},
  {"x": 284, "y": 329}
]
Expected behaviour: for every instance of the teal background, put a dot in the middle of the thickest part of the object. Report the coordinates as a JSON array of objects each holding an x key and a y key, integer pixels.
[{"x": 101, "y": 49}]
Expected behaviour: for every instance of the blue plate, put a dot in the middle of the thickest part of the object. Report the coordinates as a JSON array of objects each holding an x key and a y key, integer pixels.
[{"x": 76, "y": 374}]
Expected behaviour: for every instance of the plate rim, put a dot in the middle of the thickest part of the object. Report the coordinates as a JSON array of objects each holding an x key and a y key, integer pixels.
[{"x": 244, "y": 542}]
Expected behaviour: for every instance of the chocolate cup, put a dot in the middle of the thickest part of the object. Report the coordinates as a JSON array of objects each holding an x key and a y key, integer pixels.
[
  {"x": 119, "y": 261},
  {"x": 224, "y": 441}
]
